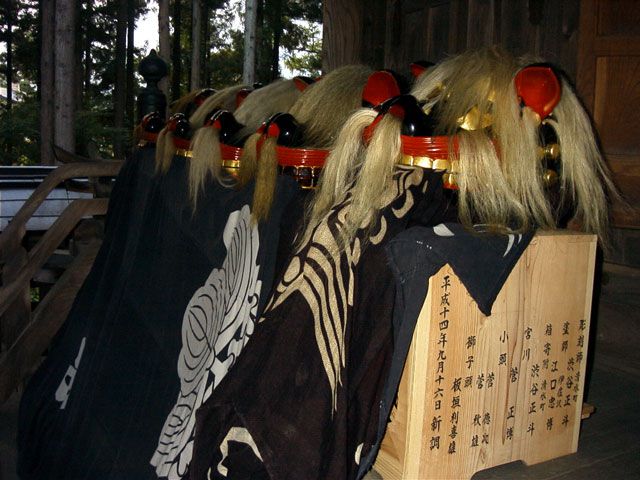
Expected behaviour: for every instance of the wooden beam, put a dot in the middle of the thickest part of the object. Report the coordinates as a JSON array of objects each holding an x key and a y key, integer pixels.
[
  {"x": 23, "y": 356},
  {"x": 48, "y": 243},
  {"x": 342, "y": 34},
  {"x": 13, "y": 234}
]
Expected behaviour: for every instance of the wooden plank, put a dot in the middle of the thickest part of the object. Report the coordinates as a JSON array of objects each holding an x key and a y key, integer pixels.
[
  {"x": 483, "y": 391},
  {"x": 481, "y": 23},
  {"x": 608, "y": 80},
  {"x": 437, "y": 31},
  {"x": 64, "y": 156},
  {"x": 619, "y": 465},
  {"x": 48, "y": 243},
  {"x": 24, "y": 354},
  {"x": 373, "y": 30},
  {"x": 619, "y": 18},
  {"x": 586, "y": 74},
  {"x": 458, "y": 26},
  {"x": 342, "y": 33},
  {"x": 615, "y": 46},
  {"x": 618, "y": 78},
  {"x": 18, "y": 312},
  {"x": 393, "y": 35},
  {"x": 11, "y": 237}
]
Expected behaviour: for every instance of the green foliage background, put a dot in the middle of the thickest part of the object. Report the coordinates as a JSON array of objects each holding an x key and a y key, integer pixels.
[{"x": 298, "y": 22}]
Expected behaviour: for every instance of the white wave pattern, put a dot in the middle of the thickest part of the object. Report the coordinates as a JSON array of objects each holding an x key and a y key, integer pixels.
[
  {"x": 216, "y": 325},
  {"x": 324, "y": 274}
]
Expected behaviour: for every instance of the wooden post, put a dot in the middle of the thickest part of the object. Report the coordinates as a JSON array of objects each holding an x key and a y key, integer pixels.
[
  {"x": 18, "y": 313},
  {"x": 483, "y": 391},
  {"x": 151, "y": 98},
  {"x": 342, "y": 33},
  {"x": 24, "y": 353}
]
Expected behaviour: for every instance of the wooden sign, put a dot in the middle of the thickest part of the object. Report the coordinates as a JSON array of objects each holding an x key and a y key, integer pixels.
[{"x": 482, "y": 391}]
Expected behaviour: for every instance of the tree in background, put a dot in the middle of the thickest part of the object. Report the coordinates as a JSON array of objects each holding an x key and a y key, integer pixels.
[
  {"x": 302, "y": 36},
  {"x": 107, "y": 114},
  {"x": 164, "y": 47},
  {"x": 289, "y": 29},
  {"x": 250, "y": 26},
  {"x": 18, "y": 34},
  {"x": 196, "y": 43},
  {"x": 28, "y": 132},
  {"x": 102, "y": 82},
  {"x": 45, "y": 82}
]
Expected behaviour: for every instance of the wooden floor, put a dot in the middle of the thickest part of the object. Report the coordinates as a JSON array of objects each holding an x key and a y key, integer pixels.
[{"x": 609, "y": 446}]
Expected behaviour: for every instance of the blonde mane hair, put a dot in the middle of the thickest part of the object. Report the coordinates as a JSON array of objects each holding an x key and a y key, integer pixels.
[
  {"x": 259, "y": 105},
  {"x": 165, "y": 149},
  {"x": 224, "y": 99},
  {"x": 180, "y": 105},
  {"x": 499, "y": 190},
  {"x": 321, "y": 110},
  {"x": 585, "y": 177},
  {"x": 501, "y": 181},
  {"x": 340, "y": 169}
]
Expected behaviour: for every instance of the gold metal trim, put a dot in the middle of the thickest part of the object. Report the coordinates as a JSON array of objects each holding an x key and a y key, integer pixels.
[
  {"x": 230, "y": 163},
  {"x": 451, "y": 168},
  {"x": 551, "y": 151},
  {"x": 181, "y": 152}
]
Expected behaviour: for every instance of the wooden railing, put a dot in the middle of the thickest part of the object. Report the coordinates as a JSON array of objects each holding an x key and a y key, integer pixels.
[{"x": 24, "y": 335}]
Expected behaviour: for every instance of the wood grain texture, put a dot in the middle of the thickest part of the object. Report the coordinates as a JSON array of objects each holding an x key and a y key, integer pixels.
[
  {"x": 617, "y": 104},
  {"x": 481, "y": 23},
  {"x": 18, "y": 312},
  {"x": 609, "y": 83},
  {"x": 483, "y": 391},
  {"x": 397, "y": 32},
  {"x": 342, "y": 33},
  {"x": 48, "y": 243},
  {"x": 11, "y": 237},
  {"x": 619, "y": 18},
  {"x": 24, "y": 355}
]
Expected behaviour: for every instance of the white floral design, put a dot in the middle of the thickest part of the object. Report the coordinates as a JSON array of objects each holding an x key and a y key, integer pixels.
[{"x": 216, "y": 325}]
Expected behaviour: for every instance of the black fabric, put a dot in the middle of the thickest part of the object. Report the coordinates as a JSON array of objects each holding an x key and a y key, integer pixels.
[
  {"x": 482, "y": 261},
  {"x": 40, "y": 413},
  {"x": 156, "y": 256},
  {"x": 305, "y": 392}
]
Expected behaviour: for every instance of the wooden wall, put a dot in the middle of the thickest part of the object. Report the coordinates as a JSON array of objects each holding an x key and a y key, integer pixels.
[
  {"x": 393, "y": 33},
  {"x": 609, "y": 82}
]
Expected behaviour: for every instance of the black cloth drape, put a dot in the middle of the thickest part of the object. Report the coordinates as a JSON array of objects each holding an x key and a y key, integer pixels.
[
  {"x": 169, "y": 287},
  {"x": 44, "y": 401},
  {"x": 303, "y": 400}
]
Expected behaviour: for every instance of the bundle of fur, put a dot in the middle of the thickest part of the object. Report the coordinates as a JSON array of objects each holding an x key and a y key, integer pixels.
[
  {"x": 256, "y": 108},
  {"x": 321, "y": 111},
  {"x": 165, "y": 148},
  {"x": 472, "y": 98},
  {"x": 485, "y": 79}
]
